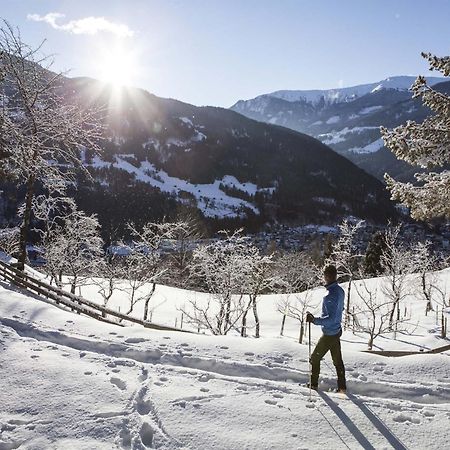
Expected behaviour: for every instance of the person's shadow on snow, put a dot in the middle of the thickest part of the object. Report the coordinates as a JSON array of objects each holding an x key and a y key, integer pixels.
[{"x": 355, "y": 431}]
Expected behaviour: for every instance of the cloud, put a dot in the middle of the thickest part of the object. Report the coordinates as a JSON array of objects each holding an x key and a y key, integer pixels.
[{"x": 87, "y": 25}]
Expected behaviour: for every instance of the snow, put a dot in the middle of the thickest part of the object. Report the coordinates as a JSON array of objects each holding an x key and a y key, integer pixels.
[
  {"x": 334, "y": 137},
  {"x": 370, "y": 109},
  {"x": 370, "y": 148},
  {"x": 210, "y": 198},
  {"x": 333, "y": 119},
  {"x": 338, "y": 95},
  {"x": 77, "y": 383},
  {"x": 187, "y": 121}
]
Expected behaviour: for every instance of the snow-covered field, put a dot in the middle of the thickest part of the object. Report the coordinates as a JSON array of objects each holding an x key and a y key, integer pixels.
[{"x": 70, "y": 382}]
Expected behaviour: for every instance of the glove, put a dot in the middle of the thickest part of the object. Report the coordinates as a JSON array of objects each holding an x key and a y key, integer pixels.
[{"x": 309, "y": 317}]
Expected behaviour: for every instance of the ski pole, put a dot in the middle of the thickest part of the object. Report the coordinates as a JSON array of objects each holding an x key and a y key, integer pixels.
[{"x": 310, "y": 365}]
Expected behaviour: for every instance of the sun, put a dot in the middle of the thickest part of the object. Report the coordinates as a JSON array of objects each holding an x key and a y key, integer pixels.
[{"x": 117, "y": 65}]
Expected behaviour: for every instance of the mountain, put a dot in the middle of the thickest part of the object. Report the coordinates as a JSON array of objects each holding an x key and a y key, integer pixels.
[
  {"x": 347, "y": 119},
  {"x": 162, "y": 155}
]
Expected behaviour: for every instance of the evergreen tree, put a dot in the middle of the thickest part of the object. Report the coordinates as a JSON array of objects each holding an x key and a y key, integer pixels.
[
  {"x": 372, "y": 263},
  {"x": 426, "y": 145}
]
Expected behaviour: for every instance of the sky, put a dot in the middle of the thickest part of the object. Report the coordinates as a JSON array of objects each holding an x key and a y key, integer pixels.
[{"x": 216, "y": 52}]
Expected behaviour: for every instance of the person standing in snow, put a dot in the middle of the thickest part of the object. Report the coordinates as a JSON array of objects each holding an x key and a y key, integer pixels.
[{"x": 330, "y": 321}]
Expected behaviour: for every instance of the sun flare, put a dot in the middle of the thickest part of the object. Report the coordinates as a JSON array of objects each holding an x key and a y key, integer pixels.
[{"x": 117, "y": 66}]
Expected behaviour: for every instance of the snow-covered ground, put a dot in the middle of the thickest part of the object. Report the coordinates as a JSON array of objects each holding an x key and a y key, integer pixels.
[{"x": 70, "y": 382}]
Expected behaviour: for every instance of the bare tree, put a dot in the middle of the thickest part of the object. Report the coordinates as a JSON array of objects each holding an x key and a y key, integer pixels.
[
  {"x": 345, "y": 256},
  {"x": 260, "y": 278},
  {"x": 41, "y": 133},
  {"x": 397, "y": 263},
  {"x": 74, "y": 247},
  {"x": 300, "y": 275},
  {"x": 426, "y": 264},
  {"x": 372, "y": 312},
  {"x": 9, "y": 240},
  {"x": 222, "y": 268},
  {"x": 108, "y": 277},
  {"x": 185, "y": 237},
  {"x": 144, "y": 264}
]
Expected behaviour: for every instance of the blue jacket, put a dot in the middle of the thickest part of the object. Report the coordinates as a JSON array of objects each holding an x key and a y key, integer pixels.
[{"x": 332, "y": 308}]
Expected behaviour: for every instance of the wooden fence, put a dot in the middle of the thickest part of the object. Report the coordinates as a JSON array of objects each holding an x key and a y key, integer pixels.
[{"x": 72, "y": 301}]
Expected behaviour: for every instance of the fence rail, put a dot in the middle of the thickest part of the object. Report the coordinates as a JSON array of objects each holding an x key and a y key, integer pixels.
[{"x": 72, "y": 301}]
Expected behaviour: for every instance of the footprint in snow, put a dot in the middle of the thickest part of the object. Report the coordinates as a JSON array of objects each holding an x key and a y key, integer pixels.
[
  {"x": 388, "y": 372},
  {"x": 184, "y": 344},
  {"x": 135, "y": 340},
  {"x": 113, "y": 333},
  {"x": 249, "y": 354},
  {"x": 204, "y": 389},
  {"x": 144, "y": 374},
  {"x": 402, "y": 417},
  {"x": 277, "y": 396},
  {"x": 271, "y": 402},
  {"x": 166, "y": 337},
  {"x": 88, "y": 373},
  {"x": 224, "y": 347},
  {"x": 146, "y": 433},
  {"x": 118, "y": 383},
  {"x": 163, "y": 379}
]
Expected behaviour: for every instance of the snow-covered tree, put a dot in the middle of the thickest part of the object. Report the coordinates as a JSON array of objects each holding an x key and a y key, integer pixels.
[
  {"x": 426, "y": 264},
  {"x": 9, "y": 240},
  {"x": 300, "y": 275},
  {"x": 108, "y": 276},
  {"x": 222, "y": 268},
  {"x": 426, "y": 145},
  {"x": 345, "y": 256},
  {"x": 372, "y": 312},
  {"x": 41, "y": 134},
  {"x": 144, "y": 265},
  {"x": 74, "y": 247},
  {"x": 259, "y": 278},
  {"x": 397, "y": 263},
  {"x": 187, "y": 232}
]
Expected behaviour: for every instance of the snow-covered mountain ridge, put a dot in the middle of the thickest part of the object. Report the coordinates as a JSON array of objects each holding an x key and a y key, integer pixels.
[
  {"x": 348, "y": 94},
  {"x": 348, "y": 119}
]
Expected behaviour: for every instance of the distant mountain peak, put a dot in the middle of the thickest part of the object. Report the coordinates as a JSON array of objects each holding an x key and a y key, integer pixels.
[{"x": 347, "y": 94}]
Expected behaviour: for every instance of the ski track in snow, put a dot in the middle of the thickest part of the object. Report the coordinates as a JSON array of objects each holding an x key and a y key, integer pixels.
[
  {"x": 214, "y": 367},
  {"x": 170, "y": 391}
]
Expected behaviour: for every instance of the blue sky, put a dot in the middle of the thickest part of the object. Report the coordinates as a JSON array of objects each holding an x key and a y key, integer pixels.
[{"x": 211, "y": 52}]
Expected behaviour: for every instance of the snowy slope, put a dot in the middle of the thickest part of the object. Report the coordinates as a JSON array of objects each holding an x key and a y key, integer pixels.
[
  {"x": 349, "y": 93},
  {"x": 73, "y": 383}
]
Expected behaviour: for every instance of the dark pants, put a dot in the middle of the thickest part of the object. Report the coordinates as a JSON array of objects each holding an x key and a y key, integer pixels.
[{"x": 332, "y": 343}]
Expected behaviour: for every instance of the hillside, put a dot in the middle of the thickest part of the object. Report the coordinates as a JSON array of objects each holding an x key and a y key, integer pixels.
[
  {"x": 347, "y": 119},
  {"x": 101, "y": 386},
  {"x": 213, "y": 159}
]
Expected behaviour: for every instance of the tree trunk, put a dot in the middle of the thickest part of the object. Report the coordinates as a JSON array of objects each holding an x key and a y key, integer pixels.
[
  {"x": 347, "y": 315},
  {"x": 244, "y": 325},
  {"x": 25, "y": 224},
  {"x": 302, "y": 332},
  {"x": 255, "y": 313},
  {"x": 282, "y": 325},
  {"x": 147, "y": 301}
]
